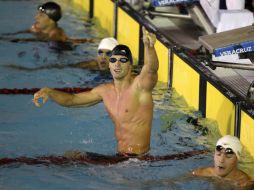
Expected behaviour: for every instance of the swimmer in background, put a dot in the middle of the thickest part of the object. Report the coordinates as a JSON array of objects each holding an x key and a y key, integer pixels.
[
  {"x": 101, "y": 62},
  {"x": 45, "y": 26},
  {"x": 227, "y": 154}
]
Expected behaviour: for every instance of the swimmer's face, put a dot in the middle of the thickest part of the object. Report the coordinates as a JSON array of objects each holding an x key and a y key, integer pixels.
[
  {"x": 103, "y": 59},
  {"x": 119, "y": 66},
  {"x": 224, "y": 163},
  {"x": 42, "y": 21}
]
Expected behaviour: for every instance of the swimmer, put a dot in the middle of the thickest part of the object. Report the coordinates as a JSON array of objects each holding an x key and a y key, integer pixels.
[
  {"x": 226, "y": 157},
  {"x": 101, "y": 62},
  {"x": 128, "y": 100},
  {"x": 45, "y": 26}
]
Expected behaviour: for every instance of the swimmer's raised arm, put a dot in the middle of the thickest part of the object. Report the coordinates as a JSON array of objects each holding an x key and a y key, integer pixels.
[
  {"x": 66, "y": 99},
  {"x": 148, "y": 76}
]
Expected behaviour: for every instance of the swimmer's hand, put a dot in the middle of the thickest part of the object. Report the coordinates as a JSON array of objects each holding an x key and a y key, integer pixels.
[
  {"x": 148, "y": 38},
  {"x": 34, "y": 29},
  {"x": 42, "y": 93}
]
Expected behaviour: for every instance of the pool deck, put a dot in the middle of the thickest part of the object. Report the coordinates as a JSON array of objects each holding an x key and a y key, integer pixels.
[{"x": 185, "y": 33}]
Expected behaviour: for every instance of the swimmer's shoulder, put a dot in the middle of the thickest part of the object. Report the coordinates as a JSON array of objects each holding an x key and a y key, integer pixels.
[
  {"x": 103, "y": 88},
  {"x": 58, "y": 34},
  {"x": 243, "y": 179}
]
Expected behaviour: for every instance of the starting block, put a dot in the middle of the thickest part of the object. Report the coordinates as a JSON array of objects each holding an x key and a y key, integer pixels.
[
  {"x": 233, "y": 43},
  {"x": 238, "y": 42}
]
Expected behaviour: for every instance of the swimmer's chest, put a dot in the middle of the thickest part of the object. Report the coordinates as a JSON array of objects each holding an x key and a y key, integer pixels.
[{"x": 123, "y": 105}]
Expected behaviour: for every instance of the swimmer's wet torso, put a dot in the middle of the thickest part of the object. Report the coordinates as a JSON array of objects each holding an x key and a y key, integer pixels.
[{"x": 132, "y": 115}]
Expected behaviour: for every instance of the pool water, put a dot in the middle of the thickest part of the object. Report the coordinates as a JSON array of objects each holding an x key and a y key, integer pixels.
[{"x": 26, "y": 130}]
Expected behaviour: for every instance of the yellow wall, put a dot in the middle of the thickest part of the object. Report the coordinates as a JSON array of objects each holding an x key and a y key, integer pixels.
[
  {"x": 185, "y": 80},
  {"x": 83, "y": 3},
  {"x": 128, "y": 33},
  {"x": 163, "y": 56},
  {"x": 247, "y": 132},
  {"x": 221, "y": 109},
  {"x": 104, "y": 12}
]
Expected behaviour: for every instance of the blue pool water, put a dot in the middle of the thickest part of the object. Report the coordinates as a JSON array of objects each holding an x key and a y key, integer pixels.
[{"x": 26, "y": 130}]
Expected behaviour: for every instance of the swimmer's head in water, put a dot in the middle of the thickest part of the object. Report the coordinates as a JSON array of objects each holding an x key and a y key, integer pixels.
[
  {"x": 124, "y": 51},
  {"x": 104, "y": 52},
  {"x": 53, "y": 10},
  {"x": 108, "y": 43},
  {"x": 231, "y": 144}
]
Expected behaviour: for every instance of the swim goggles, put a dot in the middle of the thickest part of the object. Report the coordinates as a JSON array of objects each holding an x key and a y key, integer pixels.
[
  {"x": 122, "y": 60},
  {"x": 40, "y": 8},
  {"x": 227, "y": 150},
  {"x": 108, "y": 53}
]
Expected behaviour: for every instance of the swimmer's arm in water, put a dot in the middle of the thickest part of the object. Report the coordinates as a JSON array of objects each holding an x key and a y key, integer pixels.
[
  {"x": 242, "y": 181},
  {"x": 85, "y": 99},
  {"x": 149, "y": 76},
  {"x": 80, "y": 40},
  {"x": 18, "y": 32},
  {"x": 12, "y": 39},
  {"x": 88, "y": 64},
  {"x": 203, "y": 172},
  {"x": 55, "y": 35}
]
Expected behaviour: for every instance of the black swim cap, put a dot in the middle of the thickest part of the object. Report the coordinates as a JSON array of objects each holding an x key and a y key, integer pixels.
[
  {"x": 51, "y": 9},
  {"x": 122, "y": 50}
]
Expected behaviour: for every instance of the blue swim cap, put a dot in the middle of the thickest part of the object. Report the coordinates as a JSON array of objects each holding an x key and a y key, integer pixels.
[
  {"x": 122, "y": 50},
  {"x": 52, "y": 9}
]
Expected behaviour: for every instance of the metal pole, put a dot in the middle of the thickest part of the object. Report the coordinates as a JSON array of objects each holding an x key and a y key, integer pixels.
[
  {"x": 166, "y": 14},
  {"x": 237, "y": 119},
  {"x": 91, "y": 9},
  {"x": 115, "y": 19}
]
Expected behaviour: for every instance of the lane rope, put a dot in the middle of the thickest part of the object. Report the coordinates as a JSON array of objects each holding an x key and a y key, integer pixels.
[{"x": 95, "y": 158}]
